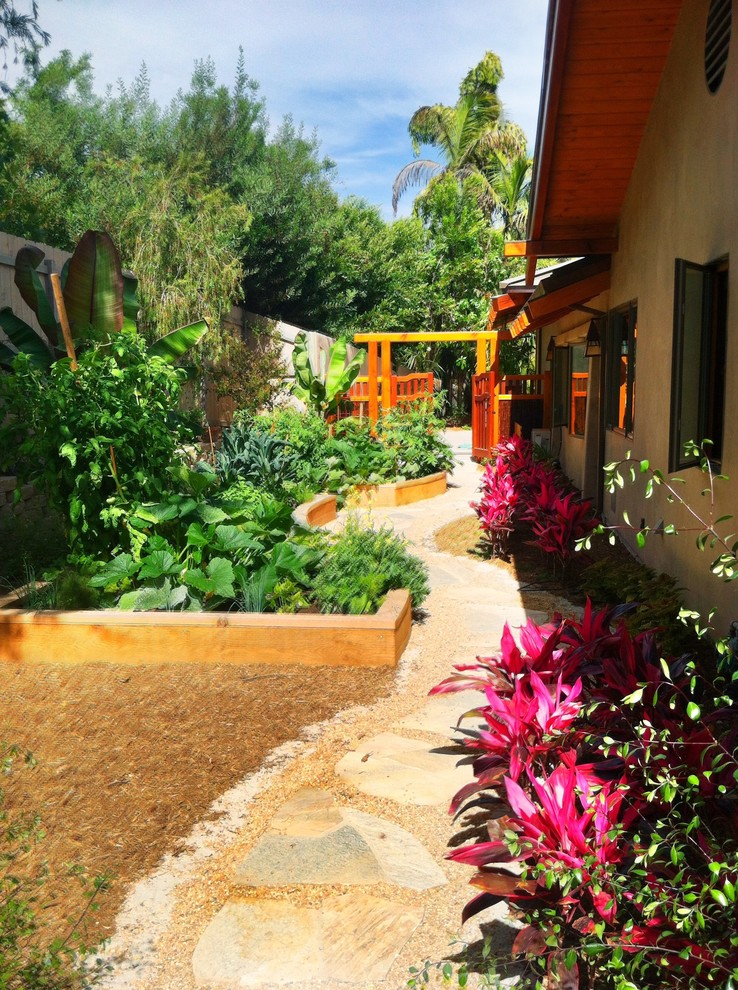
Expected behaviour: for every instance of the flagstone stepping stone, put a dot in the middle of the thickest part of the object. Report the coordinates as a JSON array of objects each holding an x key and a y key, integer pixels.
[
  {"x": 311, "y": 841},
  {"x": 441, "y": 713},
  {"x": 352, "y": 938},
  {"x": 404, "y": 770}
]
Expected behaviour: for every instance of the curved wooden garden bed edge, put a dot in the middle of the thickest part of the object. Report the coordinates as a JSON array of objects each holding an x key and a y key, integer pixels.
[
  {"x": 398, "y": 493},
  {"x": 317, "y": 512}
]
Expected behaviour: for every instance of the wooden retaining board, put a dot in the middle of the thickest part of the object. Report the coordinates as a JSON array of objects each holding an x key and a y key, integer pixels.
[
  {"x": 404, "y": 492},
  {"x": 219, "y": 637}
]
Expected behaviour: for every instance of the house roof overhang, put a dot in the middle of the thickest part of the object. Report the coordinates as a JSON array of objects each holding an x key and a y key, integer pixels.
[
  {"x": 564, "y": 289},
  {"x": 603, "y": 62}
]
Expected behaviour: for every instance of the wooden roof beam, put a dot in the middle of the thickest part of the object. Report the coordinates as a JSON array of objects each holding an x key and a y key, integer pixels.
[{"x": 564, "y": 248}]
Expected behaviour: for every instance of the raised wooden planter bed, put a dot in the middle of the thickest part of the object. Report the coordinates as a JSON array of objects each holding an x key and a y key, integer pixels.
[
  {"x": 111, "y": 636},
  {"x": 221, "y": 637},
  {"x": 317, "y": 512},
  {"x": 404, "y": 492}
]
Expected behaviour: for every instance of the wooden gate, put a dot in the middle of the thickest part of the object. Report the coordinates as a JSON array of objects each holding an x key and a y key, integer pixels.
[{"x": 483, "y": 410}]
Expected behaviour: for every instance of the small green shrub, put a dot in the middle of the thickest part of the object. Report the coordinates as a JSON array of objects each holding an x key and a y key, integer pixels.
[
  {"x": 413, "y": 438},
  {"x": 306, "y": 436},
  {"x": 259, "y": 457},
  {"x": 362, "y": 566}
]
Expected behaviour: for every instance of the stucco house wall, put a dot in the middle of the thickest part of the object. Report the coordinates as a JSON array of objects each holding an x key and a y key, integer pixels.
[{"x": 682, "y": 202}]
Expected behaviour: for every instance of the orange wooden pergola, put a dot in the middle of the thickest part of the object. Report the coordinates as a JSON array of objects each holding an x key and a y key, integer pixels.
[{"x": 380, "y": 357}]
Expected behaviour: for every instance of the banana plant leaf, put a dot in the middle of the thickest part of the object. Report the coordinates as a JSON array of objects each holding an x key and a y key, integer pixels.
[
  {"x": 32, "y": 290},
  {"x": 25, "y": 339},
  {"x": 176, "y": 343},
  {"x": 304, "y": 375},
  {"x": 341, "y": 375},
  {"x": 130, "y": 301},
  {"x": 6, "y": 356},
  {"x": 93, "y": 293}
]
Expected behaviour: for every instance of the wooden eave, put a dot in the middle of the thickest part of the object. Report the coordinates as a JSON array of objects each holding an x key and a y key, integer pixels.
[
  {"x": 603, "y": 63},
  {"x": 556, "y": 300}
]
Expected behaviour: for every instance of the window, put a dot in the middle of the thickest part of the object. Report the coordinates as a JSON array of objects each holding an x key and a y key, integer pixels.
[
  {"x": 698, "y": 362},
  {"x": 560, "y": 377},
  {"x": 621, "y": 357},
  {"x": 578, "y": 389}
]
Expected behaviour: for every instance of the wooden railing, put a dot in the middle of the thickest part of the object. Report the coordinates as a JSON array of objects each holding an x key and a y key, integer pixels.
[
  {"x": 523, "y": 400},
  {"x": 405, "y": 390}
]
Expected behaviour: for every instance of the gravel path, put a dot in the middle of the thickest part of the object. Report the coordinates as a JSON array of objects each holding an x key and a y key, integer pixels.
[{"x": 165, "y": 916}]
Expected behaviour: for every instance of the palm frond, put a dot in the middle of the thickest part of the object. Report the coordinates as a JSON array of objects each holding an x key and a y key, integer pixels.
[
  {"x": 415, "y": 174},
  {"x": 430, "y": 125}
]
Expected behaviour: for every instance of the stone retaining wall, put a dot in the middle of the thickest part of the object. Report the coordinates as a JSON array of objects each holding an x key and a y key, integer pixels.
[{"x": 30, "y": 499}]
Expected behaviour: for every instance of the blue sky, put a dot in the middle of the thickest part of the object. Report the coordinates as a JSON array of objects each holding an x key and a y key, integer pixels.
[{"x": 354, "y": 70}]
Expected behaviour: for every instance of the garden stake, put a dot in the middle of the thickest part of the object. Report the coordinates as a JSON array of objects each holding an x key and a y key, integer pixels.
[{"x": 62, "y": 310}]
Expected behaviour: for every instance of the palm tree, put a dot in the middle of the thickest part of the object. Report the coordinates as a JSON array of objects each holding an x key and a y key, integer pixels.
[
  {"x": 509, "y": 179},
  {"x": 466, "y": 134}
]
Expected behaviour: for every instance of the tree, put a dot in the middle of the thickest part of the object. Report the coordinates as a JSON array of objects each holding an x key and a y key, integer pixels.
[
  {"x": 466, "y": 134},
  {"x": 22, "y": 34},
  {"x": 509, "y": 179}
]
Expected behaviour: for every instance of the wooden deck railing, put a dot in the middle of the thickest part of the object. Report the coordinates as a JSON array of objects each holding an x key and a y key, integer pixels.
[
  {"x": 520, "y": 399},
  {"x": 404, "y": 390}
]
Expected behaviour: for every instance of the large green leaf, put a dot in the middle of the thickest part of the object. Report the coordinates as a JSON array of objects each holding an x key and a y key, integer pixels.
[
  {"x": 32, "y": 290},
  {"x": 130, "y": 301},
  {"x": 93, "y": 294},
  {"x": 6, "y": 355},
  {"x": 304, "y": 376},
  {"x": 197, "y": 480},
  {"x": 173, "y": 345},
  {"x": 115, "y": 571},
  {"x": 336, "y": 366},
  {"x": 25, "y": 339}
]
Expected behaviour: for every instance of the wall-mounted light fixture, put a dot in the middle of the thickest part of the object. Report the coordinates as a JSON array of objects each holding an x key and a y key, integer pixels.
[
  {"x": 593, "y": 347},
  {"x": 550, "y": 350}
]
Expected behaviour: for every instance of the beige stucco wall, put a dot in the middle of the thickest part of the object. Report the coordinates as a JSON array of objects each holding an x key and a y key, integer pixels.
[
  {"x": 578, "y": 455},
  {"x": 682, "y": 202}
]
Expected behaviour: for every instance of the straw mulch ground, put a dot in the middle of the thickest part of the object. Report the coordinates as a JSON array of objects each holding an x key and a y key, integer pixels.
[{"x": 129, "y": 758}]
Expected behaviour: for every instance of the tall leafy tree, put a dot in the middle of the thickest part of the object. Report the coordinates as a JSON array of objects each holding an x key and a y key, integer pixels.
[
  {"x": 465, "y": 134},
  {"x": 21, "y": 36}
]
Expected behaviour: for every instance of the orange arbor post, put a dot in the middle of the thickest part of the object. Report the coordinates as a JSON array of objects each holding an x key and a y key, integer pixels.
[{"x": 384, "y": 390}]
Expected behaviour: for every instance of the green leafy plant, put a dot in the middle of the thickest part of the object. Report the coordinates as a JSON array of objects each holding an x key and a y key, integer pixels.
[
  {"x": 96, "y": 439},
  {"x": 306, "y": 437},
  {"x": 259, "y": 457},
  {"x": 362, "y": 565},
  {"x": 321, "y": 391}
]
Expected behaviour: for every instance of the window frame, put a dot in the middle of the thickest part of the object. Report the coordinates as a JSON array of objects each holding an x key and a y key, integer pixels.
[
  {"x": 628, "y": 312},
  {"x": 577, "y": 393},
  {"x": 710, "y": 360}
]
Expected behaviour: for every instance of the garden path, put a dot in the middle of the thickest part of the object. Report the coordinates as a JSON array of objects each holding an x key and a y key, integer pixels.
[{"x": 327, "y": 867}]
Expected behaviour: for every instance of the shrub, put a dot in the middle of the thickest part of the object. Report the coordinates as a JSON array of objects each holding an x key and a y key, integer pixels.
[
  {"x": 257, "y": 457},
  {"x": 412, "y": 435},
  {"x": 306, "y": 437},
  {"x": 517, "y": 488},
  {"x": 94, "y": 439},
  {"x": 362, "y": 565},
  {"x": 251, "y": 375},
  {"x": 619, "y": 768}
]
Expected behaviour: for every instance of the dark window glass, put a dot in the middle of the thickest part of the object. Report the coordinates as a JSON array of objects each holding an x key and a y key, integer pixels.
[{"x": 621, "y": 359}]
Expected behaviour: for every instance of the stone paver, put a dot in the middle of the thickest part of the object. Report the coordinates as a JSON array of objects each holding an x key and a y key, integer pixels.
[
  {"x": 351, "y": 939},
  {"x": 441, "y": 712},
  {"x": 311, "y": 841},
  {"x": 405, "y": 770}
]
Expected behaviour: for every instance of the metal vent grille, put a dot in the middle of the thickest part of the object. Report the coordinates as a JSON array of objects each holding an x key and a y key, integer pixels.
[{"x": 717, "y": 42}]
